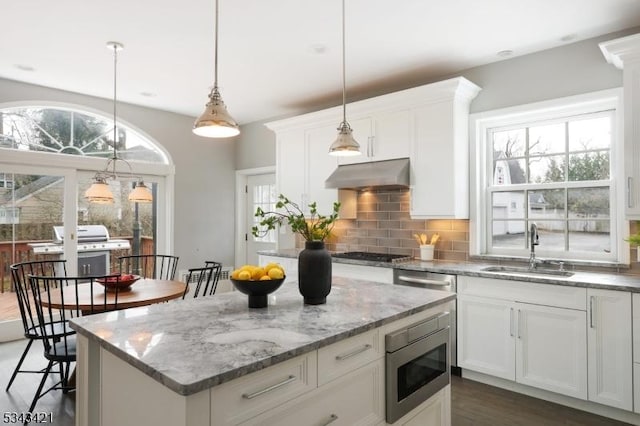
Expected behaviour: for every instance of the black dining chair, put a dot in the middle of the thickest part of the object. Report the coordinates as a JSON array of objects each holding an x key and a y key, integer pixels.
[
  {"x": 56, "y": 300},
  {"x": 158, "y": 266},
  {"x": 204, "y": 280},
  {"x": 20, "y": 279}
]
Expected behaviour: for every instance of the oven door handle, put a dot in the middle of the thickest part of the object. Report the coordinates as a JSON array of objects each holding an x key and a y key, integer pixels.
[{"x": 423, "y": 281}]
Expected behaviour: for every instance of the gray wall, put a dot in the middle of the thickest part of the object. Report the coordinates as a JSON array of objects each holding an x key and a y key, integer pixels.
[
  {"x": 204, "y": 171},
  {"x": 564, "y": 71}
]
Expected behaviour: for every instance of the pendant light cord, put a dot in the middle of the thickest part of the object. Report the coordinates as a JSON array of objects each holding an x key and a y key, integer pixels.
[
  {"x": 215, "y": 53},
  {"x": 344, "y": 78},
  {"x": 115, "y": 86}
]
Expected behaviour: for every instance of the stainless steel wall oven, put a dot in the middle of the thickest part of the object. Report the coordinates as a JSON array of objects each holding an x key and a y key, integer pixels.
[{"x": 417, "y": 364}]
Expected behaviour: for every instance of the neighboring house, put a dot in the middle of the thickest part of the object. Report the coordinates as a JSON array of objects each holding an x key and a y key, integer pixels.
[
  {"x": 510, "y": 204},
  {"x": 36, "y": 202}
]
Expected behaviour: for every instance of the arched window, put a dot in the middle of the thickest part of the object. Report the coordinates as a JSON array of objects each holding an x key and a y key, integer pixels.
[{"x": 68, "y": 131}]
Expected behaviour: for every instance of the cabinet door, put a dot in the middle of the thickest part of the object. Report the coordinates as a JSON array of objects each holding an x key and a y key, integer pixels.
[
  {"x": 320, "y": 165},
  {"x": 356, "y": 398},
  {"x": 290, "y": 165},
  {"x": 551, "y": 349},
  {"x": 610, "y": 348},
  {"x": 391, "y": 135},
  {"x": 486, "y": 334},
  {"x": 439, "y": 167}
]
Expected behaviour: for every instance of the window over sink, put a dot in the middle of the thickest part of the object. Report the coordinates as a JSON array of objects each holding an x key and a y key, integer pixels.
[{"x": 556, "y": 164}]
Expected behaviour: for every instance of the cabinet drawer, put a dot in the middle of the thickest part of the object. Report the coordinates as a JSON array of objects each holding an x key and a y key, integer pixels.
[
  {"x": 354, "y": 399},
  {"x": 362, "y": 272},
  {"x": 340, "y": 358},
  {"x": 526, "y": 292},
  {"x": 248, "y": 396}
]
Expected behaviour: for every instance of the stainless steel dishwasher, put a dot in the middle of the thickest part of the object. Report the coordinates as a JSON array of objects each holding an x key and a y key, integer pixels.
[{"x": 434, "y": 281}]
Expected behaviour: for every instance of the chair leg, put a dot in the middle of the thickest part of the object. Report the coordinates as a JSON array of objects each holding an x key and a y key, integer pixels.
[
  {"x": 37, "y": 395},
  {"x": 15, "y": 372}
]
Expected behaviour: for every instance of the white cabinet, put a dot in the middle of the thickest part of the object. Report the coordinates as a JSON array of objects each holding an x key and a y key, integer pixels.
[
  {"x": 539, "y": 346},
  {"x": 610, "y": 348},
  {"x": 486, "y": 336},
  {"x": 532, "y": 344},
  {"x": 428, "y": 124},
  {"x": 384, "y": 136},
  {"x": 551, "y": 349},
  {"x": 440, "y": 152},
  {"x": 623, "y": 53},
  {"x": 636, "y": 352},
  {"x": 356, "y": 398},
  {"x": 362, "y": 272}
]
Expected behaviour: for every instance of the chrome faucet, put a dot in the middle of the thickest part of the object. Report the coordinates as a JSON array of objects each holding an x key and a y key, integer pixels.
[{"x": 533, "y": 242}]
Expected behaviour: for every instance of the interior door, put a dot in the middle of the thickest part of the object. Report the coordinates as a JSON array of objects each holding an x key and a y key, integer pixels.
[{"x": 261, "y": 192}]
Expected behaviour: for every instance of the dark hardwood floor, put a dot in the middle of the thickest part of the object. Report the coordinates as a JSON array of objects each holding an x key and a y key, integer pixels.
[
  {"x": 18, "y": 399},
  {"x": 473, "y": 403},
  {"x": 478, "y": 404}
]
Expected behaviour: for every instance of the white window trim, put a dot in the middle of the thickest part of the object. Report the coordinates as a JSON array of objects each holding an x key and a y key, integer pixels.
[{"x": 480, "y": 123}]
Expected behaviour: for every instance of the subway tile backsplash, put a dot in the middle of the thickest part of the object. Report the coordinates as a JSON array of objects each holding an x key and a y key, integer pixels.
[{"x": 383, "y": 225}]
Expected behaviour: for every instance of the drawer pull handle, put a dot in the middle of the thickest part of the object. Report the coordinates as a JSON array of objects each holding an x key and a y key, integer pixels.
[
  {"x": 270, "y": 388},
  {"x": 332, "y": 419},
  {"x": 423, "y": 281},
  {"x": 353, "y": 353}
]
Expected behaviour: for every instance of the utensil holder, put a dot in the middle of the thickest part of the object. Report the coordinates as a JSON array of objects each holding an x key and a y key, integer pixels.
[{"x": 426, "y": 252}]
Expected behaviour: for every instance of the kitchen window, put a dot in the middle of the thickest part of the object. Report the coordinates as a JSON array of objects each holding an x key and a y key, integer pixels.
[{"x": 553, "y": 164}]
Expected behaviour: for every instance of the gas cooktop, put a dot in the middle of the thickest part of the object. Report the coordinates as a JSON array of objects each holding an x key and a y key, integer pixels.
[{"x": 372, "y": 257}]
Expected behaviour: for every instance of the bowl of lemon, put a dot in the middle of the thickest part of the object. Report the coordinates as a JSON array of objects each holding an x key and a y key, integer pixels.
[{"x": 258, "y": 282}]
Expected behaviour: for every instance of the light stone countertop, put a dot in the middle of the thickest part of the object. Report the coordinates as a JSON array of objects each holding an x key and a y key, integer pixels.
[
  {"x": 195, "y": 344},
  {"x": 603, "y": 280}
]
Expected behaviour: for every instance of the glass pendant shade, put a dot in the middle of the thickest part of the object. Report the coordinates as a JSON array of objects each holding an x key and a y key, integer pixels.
[
  {"x": 345, "y": 145},
  {"x": 215, "y": 121},
  {"x": 99, "y": 192},
  {"x": 141, "y": 193}
]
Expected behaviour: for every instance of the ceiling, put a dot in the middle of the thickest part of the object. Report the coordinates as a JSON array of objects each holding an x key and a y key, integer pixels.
[{"x": 280, "y": 57}]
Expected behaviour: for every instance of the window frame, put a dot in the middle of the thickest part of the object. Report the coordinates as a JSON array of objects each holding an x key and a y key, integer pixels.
[{"x": 481, "y": 164}]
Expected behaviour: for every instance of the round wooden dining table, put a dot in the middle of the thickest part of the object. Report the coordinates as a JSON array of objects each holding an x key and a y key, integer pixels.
[{"x": 145, "y": 291}]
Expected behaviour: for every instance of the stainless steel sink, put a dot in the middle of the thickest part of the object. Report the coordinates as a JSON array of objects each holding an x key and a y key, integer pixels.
[{"x": 526, "y": 271}]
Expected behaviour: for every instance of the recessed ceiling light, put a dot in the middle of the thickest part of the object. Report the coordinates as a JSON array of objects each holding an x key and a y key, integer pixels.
[
  {"x": 505, "y": 53},
  {"x": 22, "y": 67},
  {"x": 148, "y": 94},
  {"x": 568, "y": 37},
  {"x": 318, "y": 48}
]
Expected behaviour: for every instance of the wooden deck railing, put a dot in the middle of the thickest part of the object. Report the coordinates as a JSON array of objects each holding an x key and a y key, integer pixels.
[{"x": 23, "y": 253}]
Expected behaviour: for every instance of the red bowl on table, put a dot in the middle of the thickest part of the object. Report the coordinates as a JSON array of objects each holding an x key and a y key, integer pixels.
[{"x": 121, "y": 283}]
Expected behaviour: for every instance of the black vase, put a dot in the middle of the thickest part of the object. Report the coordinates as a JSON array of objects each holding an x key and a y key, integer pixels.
[{"x": 314, "y": 273}]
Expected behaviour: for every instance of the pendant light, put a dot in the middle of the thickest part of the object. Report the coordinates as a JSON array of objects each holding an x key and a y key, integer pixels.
[
  {"x": 99, "y": 192},
  {"x": 345, "y": 145},
  {"x": 215, "y": 121}
]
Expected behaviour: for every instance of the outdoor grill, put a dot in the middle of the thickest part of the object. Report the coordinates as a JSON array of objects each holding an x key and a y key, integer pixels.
[{"x": 94, "y": 248}]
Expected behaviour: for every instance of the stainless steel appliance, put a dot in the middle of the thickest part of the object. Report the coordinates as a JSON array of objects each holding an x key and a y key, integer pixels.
[
  {"x": 372, "y": 257},
  {"x": 94, "y": 248},
  {"x": 433, "y": 281},
  {"x": 417, "y": 364}
]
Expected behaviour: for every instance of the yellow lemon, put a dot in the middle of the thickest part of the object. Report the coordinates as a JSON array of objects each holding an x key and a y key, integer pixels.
[
  {"x": 265, "y": 278},
  {"x": 272, "y": 265},
  {"x": 246, "y": 267},
  {"x": 244, "y": 275},
  {"x": 257, "y": 273},
  {"x": 235, "y": 273},
  {"x": 276, "y": 273}
]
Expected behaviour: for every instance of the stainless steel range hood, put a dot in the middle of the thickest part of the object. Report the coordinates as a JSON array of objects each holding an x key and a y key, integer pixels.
[{"x": 388, "y": 174}]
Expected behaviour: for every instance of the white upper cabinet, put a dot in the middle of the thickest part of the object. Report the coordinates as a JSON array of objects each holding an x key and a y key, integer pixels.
[
  {"x": 440, "y": 152},
  {"x": 624, "y": 53},
  {"x": 384, "y": 136},
  {"x": 427, "y": 124}
]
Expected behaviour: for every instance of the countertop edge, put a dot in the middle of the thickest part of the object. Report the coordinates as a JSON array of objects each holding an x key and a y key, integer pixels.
[{"x": 195, "y": 387}]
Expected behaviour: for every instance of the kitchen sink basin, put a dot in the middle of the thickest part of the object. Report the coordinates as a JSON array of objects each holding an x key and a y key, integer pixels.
[{"x": 526, "y": 271}]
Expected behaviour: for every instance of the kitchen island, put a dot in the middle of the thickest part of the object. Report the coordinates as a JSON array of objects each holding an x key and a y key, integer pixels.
[{"x": 214, "y": 361}]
